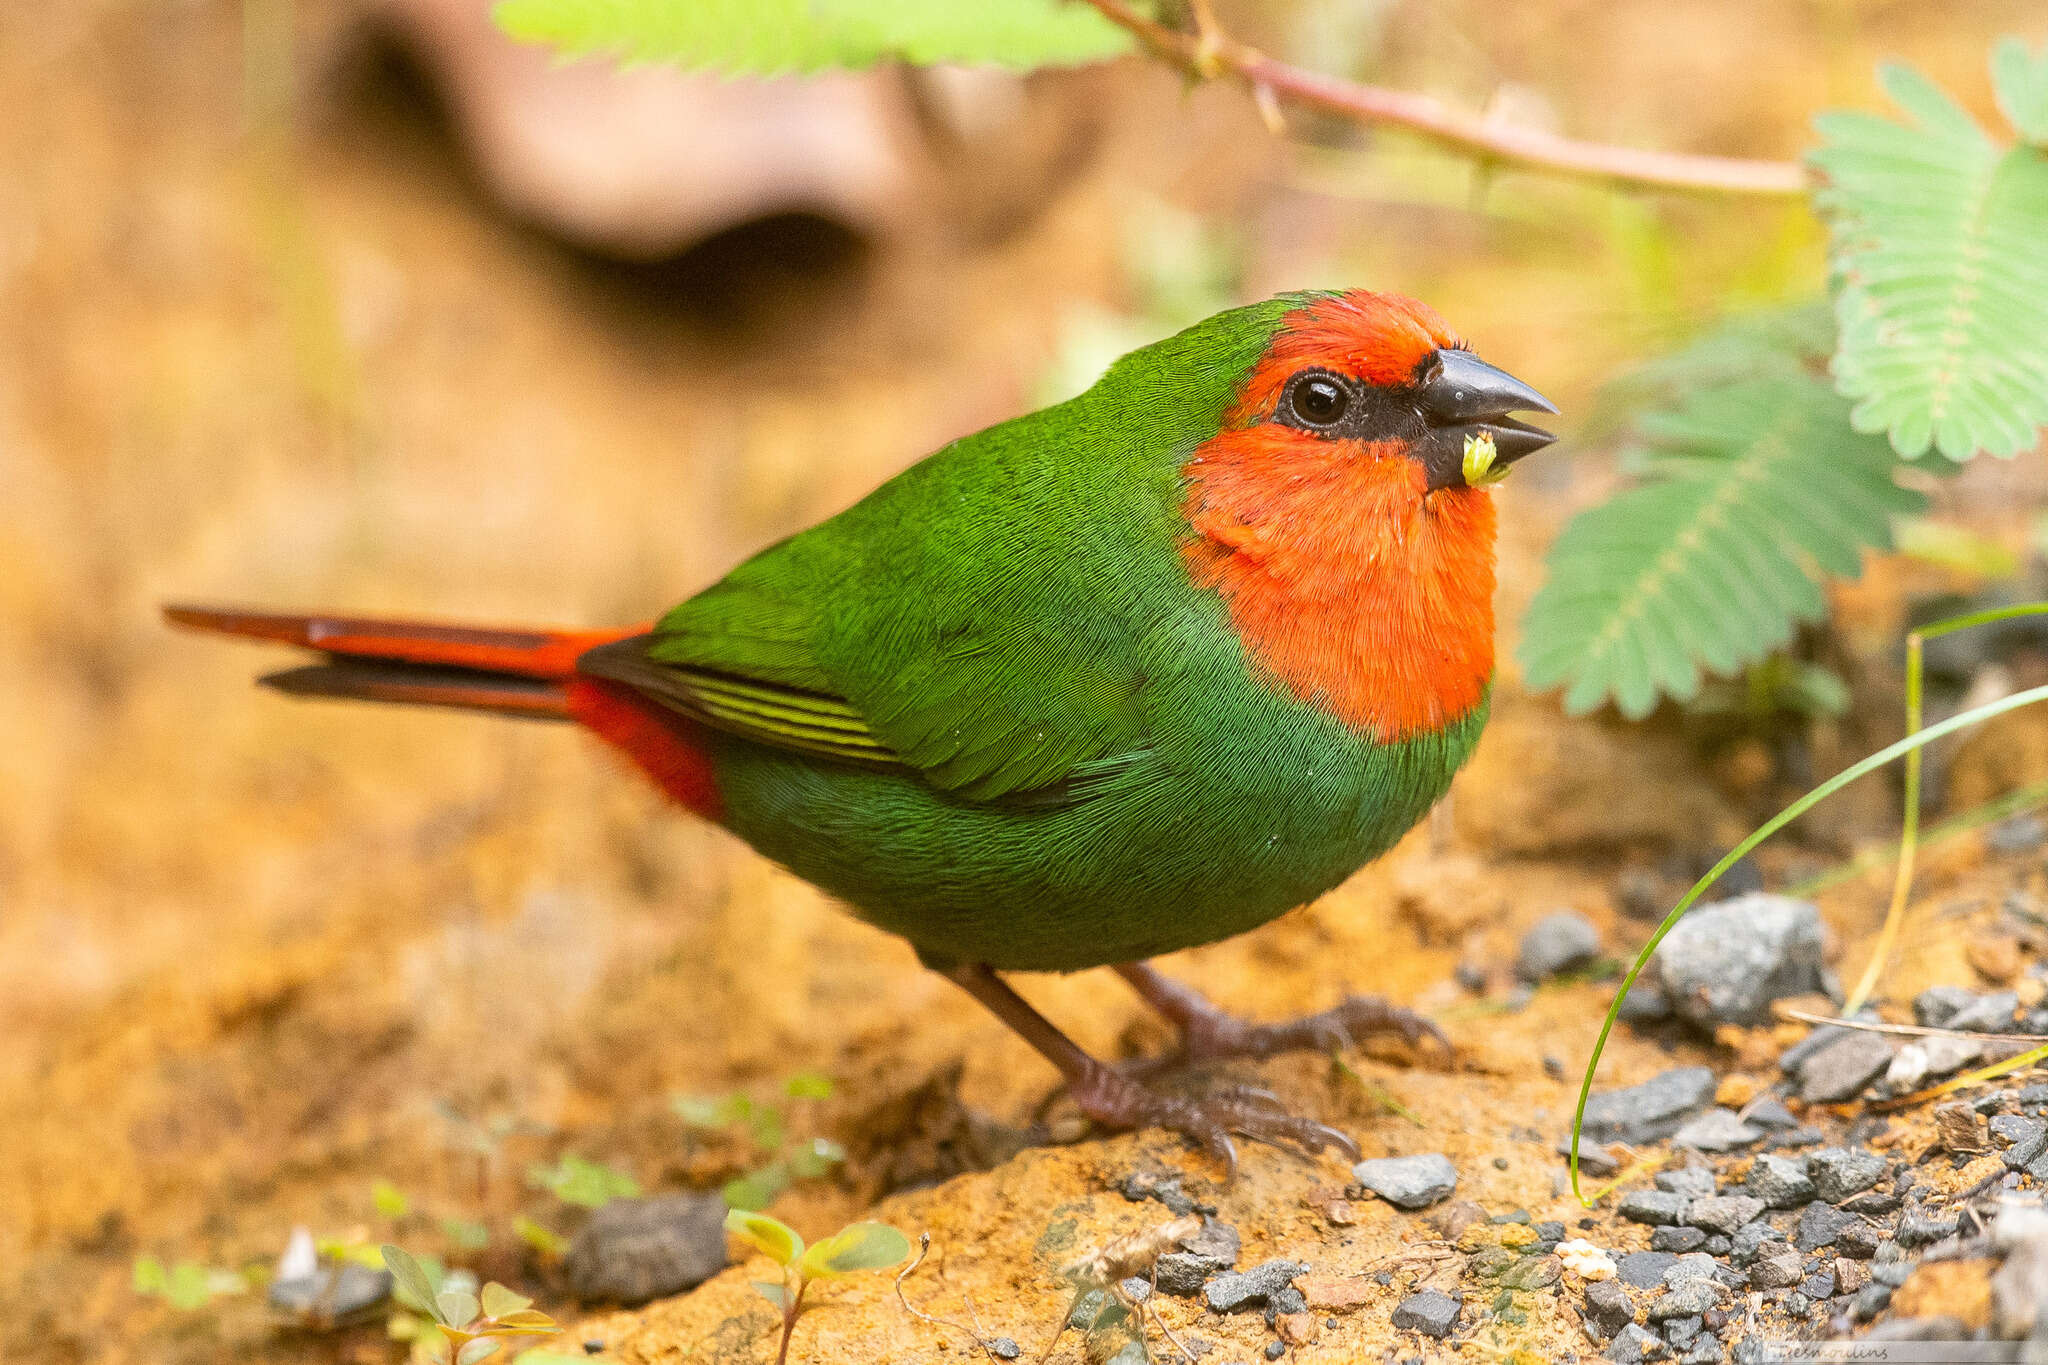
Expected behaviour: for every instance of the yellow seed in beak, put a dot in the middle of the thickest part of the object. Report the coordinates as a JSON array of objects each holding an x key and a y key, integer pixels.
[{"x": 1480, "y": 454}]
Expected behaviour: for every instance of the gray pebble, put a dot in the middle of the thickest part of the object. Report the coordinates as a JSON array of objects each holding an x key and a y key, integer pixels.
[
  {"x": 1871, "y": 1300},
  {"x": 1820, "y": 1224},
  {"x": 1771, "y": 1115},
  {"x": 1653, "y": 1206},
  {"x": 1555, "y": 943},
  {"x": 1749, "y": 1240},
  {"x": 1650, "y": 1111},
  {"x": 1780, "y": 1181},
  {"x": 1408, "y": 1182},
  {"x": 1697, "y": 1266},
  {"x": 1936, "y": 1005},
  {"x": 1607, "y": 1306},
  {"x": 1674, "y": 1239},
  {"x": 2019, "y": 834},
  {"x": 1430, "y": 1311},
  {"x": 1680, "y": 1331},
  {"x": 1987, "y": 1013},
  {"x": 1645, "y": 1269},
  {"x": 1838, "y": 1172},
  {"x": 1717, "y": 1130},
  {"x": 1919, "y": 1228},
  {"x": 1840, "y": 1070},
  {"x": 634, "y": 1250},
  {"x": 333, "y": 1292},
  {"x": 1632, "y": 1344},
  {"x": 1688, "y": 1299},
  {"x": 1237, "y": 1290},
  {"x": 1724, "y": 1213},
  {"x": 1692, "y": 1181},
  {"x": 1778, "y": 1270},
  {"x": 1705, "y": 1350},
  {"x": 1726, "y": 963},
  {"x": 2023, "y": 1138},
  {"x": 1182, "y": 1274},
  {"x": 1004, "y": 1348},
  {"x": 1858, "y": 1240}
]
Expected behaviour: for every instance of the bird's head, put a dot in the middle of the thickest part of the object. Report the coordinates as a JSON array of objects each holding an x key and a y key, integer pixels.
[
  {"x": 1369, "y": 375},
  {"x": 1341, "y": 509}
]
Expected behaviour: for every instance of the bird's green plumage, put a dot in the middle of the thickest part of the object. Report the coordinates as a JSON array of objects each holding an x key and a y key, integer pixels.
[{"x": 988, "y": 707}]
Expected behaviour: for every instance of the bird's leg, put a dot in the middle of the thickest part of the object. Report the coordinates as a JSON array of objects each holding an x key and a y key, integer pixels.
[
  {"x": 1114, "y": 1100},
  {"x": 1208, "y": 1032}
]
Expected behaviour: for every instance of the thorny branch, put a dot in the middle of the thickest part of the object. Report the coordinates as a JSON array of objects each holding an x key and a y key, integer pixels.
[{"x": 1210, "y": 53}]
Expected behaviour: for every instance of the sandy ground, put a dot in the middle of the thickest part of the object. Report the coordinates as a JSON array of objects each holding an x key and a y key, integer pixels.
[{"x": 252, "y": 954}]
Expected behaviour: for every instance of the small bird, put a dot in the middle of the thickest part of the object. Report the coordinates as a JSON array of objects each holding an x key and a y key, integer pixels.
[{"x": 1136, "y": 672}]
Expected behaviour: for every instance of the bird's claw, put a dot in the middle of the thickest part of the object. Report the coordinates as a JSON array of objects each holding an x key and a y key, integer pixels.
[
  {"x": 1356, "y": 1018},
  {"x": 1115, "y": 1100}
]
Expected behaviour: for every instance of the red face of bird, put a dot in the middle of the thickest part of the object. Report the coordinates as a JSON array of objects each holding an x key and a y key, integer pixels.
[{"x": 1384, "y": 371}]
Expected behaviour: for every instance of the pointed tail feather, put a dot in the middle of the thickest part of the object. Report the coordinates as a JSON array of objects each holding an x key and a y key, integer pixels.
[{"x": 427, "y": 685}]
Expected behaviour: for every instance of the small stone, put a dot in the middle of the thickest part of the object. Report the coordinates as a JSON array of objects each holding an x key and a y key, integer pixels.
[
  {"x": 1920, "y": 1228},
  {"x": 1556, "y": 943},
  {"x": 332, "y": 1293},
  {"x": 1726, "y": 963},
  {"x": 1680, "y": 1331},
  {"x": 1724, "y": 1213},
  {"x": 1453, "y": 1219},
  {"x": 1287, "y": 1299},
  {"x": 1633, "y": 1344},
  {"x": 1819, "y": 1225},
  {"x": 1216, "y": 1242},
  {"x": 1677, "y": 1239},
  {"x": 1697, "y": 1266},
  {"x": 1777, "y": 1271},
  {"x": 1607, "y": 1306},
  {"x": 1771, "y": 1115},
  {"x": 634, "y": 1250},
  {"x": 1838, "y": 1172},
  {"x": 1408, "y": 1182},
  {"x": 1275, "y": 1349},
  {"x": 1296, "y": 1329},
  {"x": 1749, "y": 1241},
  {"x": 1909, "y": 1067},
  {"x": 1587, "y": 1261},
  {"x": 1471, "y": 976},
  {"x": 1819, "y": 1285},
  {"x": 2022, "y": 1138},
  {"x": 1959, "y": 1127},
  {"x": 1534, "y": 1272},
  {"x": 1893, "y": 1273},
  {"x": 2017, "y": 834},
  {"x": 1237, "y": 1290},
  {"x": 1652, "y": 1110},
  {"x": 1717, "y": 1130},
  {"x": 1645, "y": 1269},
  {"x": 1430, "y": 1312},
  {"x": 1688, "y": 1299},
  {"x": 1936, "y": 1005},
  {"x": 1858, "y": 1239},
  {"x": 1850, "y": 1276},
  {"x": 1987, "y": 1013},
  {"x": 1797, "y": 1304},
  {"x": 1780, "y": 1181},
  {"x": 1872, "y": 1204},
  {"x": 1004, "y": 1348},
  {"x": 1840, "y": 1070},
  {"x": 1870, "y": 1300},
  {"x": 1718, "y": 1245},
  {"x": 1706, "y": 1350},
  {"x": 1653, "y": 1206},
  {"x": 1691, "y": 1181},
  {"x": 1182, "y": 1275}
]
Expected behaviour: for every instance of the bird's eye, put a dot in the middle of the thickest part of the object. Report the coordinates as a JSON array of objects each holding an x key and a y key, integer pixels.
[{"x": 1319, "y": 400}]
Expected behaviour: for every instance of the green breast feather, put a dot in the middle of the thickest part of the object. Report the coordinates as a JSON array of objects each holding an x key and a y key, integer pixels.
[{"x": 987, "y": 707}]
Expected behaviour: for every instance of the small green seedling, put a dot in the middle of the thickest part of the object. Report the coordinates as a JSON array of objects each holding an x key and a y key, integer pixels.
[
  {"x": 474, "y": 1325},
  {"x": 542, "y": 1238},
  {"x": 859, "y": 1246},
  {"x": 765, "y": 1125},
  {"x": 188, "y": 1285},
  {"x": 574, "y": 1180}
]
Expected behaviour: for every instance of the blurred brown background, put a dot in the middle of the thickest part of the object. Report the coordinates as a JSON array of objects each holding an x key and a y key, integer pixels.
[{"x": 297, "y": 310}]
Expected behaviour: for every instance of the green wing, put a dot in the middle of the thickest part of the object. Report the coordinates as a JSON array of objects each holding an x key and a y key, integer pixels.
[{"x": 978, "y": 651}]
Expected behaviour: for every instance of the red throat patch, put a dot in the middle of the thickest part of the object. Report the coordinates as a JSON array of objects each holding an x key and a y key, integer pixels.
[{"x": 1352, "y": 586}]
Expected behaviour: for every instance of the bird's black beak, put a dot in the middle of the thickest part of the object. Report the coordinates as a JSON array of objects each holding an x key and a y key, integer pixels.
[{"x": 1458, "y": 396}]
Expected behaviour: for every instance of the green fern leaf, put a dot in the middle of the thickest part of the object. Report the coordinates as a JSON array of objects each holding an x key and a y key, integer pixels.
[
  {"x": 778, "y": 37},
  {"x": 1752, "y": 491},
  {"x": 1937, "y": 234}
]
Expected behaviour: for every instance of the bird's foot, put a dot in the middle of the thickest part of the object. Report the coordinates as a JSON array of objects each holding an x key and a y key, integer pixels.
[
  {"x": 1208, "y": 1033},
  {"x": 1115, "y": 1100},
  {"x": 1216, "y": 1034}
]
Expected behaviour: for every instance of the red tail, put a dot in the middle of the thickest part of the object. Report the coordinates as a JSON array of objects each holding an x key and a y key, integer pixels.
[{"x": 517, "y": 672}]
